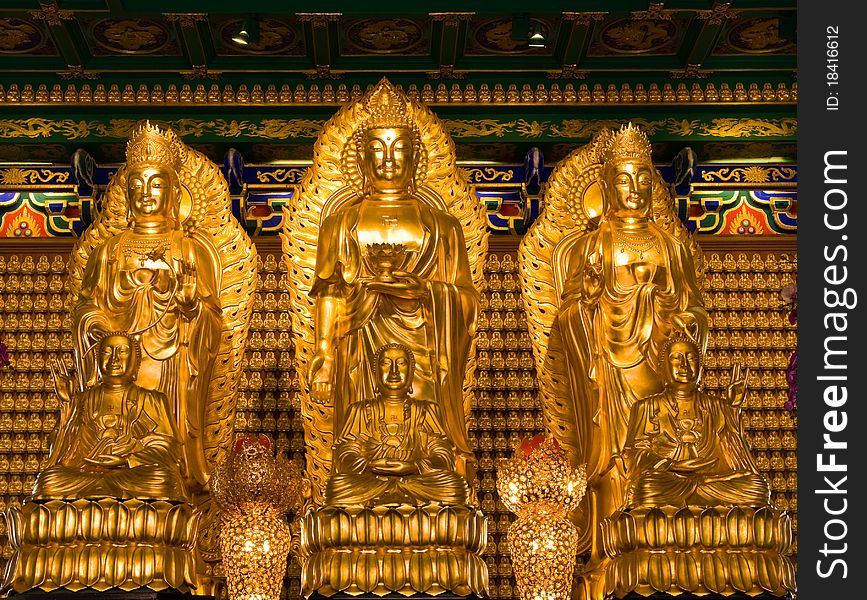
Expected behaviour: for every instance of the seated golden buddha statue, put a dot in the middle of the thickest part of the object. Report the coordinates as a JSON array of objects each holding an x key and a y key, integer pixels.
[
  {"x": 156, "y": 282},
  {"x": 685, "y": 446},
  {"x": 697, "y": 514},
  {"x": 115, "y": 439},
  {"x": 393, "y": 448}
]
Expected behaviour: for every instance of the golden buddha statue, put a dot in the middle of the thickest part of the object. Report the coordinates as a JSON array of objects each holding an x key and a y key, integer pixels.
[
  {"x": 428, "y": 302},
  {"x": 685, "y": 446},
  {"x": 160, "y": 285},
  {"x": 115, "y": 439},
  {"x": 624, "y": 277},
  {"x": 628, "y": 285},
  {"x": 393, "y": 448},
  {"x": 386, "y": 244},
  {"x": 691, "y": 471},
  {"x": 161, "y": 288}
]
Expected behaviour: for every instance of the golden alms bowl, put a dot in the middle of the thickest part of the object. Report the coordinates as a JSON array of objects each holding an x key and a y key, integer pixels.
[{"x": 385, "y": 258}]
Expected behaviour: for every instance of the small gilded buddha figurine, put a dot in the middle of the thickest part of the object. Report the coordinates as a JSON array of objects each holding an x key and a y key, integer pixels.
[
  {"x": 158, "y": 284},
  {"x": 393, "y": 448},
  {"x": 686, "y": 446},
  {"x": 115, "y": 439}
]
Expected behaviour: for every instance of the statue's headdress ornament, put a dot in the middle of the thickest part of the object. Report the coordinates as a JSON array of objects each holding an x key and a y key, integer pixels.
[
  {"x": 150, "y": 144},
  {"x": 386, "y": 108},
  {"x": 628, "y": 142}
]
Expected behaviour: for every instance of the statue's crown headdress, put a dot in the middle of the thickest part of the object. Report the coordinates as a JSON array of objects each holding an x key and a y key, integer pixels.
[
  {"x": 629, "y": 142},
  {"x": 152, "y": 145},
  {"x": 386, "y": 108}
]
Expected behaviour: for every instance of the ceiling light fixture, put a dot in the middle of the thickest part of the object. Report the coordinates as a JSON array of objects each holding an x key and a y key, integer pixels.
[
  {"x": 537, "y": 38},
  {"x": 248, "y": 33}
]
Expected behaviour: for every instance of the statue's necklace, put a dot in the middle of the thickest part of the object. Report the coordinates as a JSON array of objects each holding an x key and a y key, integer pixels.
[
  {"x": 146, "y": 248},
  {"x": 638, "y": 243}
]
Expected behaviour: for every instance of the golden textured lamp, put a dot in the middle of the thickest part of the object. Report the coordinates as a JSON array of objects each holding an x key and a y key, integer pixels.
[
  {"x": 541, "y": 487},
  {"x": 255, "y": 490}
]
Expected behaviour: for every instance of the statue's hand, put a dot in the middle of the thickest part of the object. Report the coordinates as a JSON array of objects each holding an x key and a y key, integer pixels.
[
  {"x": 687, "y": 323},
  {"x": 186, "y": 293},
  {"x": 123, "y": 446},
  {"x": 106, "y": 460},
  {"x": 691, "y": 465},
  {"x": 406, "y": 285},
  {"x": 592, "y": 280},
  {"x": 63, "y": 384},
  {"x": 390, "y": 466},
  {"x": 321, "y": 376},
  {"x": 736, "y": 390}
]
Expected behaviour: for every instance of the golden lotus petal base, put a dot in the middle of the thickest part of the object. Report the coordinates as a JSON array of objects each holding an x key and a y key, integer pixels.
[
  {"x": 721, "y": 550},
  {"x": 101, "y": 544},
  {"x": 405, "y": 549}
]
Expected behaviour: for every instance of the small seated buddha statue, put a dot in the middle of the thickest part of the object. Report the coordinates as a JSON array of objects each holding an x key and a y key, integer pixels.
[
  {"x": 393, "y": 448},
  {"x": 685, "y": 446},
  {"x": 115, "y": 439}
]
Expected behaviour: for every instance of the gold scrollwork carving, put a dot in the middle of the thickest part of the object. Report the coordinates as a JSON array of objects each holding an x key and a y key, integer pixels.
[
  {"x": 290, "y": 175},
  {"x": 71, "y": 129},
  {"x": 477, "y": 127},
  {"x": 751, "y": 174},
  {"x": 458, "y": 128},
  {"x": 490, "y": 175},
  {"x": 751, "y": 127},
  {"x": 724, "y": 127},
  {"x": 19, "y": 176}
]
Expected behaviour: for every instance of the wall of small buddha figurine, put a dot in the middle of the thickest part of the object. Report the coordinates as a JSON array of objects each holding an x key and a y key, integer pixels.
[{"x": 748, "y": 324}]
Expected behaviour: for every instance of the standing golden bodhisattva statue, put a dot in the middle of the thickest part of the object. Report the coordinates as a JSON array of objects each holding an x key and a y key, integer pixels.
[
  {"x": 160, "y": 285},
  {"x": 386, "y": 243},
  {"x": 161, "y": 289},
  {"x": 392, "y": 268},
  {"x": 610, "y": 275},
  {"x": 623, "y": 278}
]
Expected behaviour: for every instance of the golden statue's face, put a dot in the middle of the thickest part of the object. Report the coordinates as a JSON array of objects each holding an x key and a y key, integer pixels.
[
  {"x": 683, "y": 362},
  {"x": 117, "y": 358},
  {"x": 394, "y": 370},
  {"x": 387, "y": 161},
  {"x": 150, "y": 191},
  {"x": 629, "y": 188}
]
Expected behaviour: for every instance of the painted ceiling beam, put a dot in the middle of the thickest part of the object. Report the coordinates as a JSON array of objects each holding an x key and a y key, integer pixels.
[
  {"x": 576, "y": 31},
  {"x": 188, "y": 29},
  {"x": 321, "y": 30}
]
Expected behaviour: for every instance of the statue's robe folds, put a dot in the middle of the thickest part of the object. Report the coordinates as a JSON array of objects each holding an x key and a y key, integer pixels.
[
  {"x": 151, "y": 469},
  {"x": 418, "y": 438},
  {"x": 179, "y": 344},
  {"x": 726, "y": 473},
  {"x": 612, "y": 333},
  {"x": 438, "y": 328}
]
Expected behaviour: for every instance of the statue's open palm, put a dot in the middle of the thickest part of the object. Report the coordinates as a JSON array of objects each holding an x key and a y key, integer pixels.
[{"x": 64, "y": 387}]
